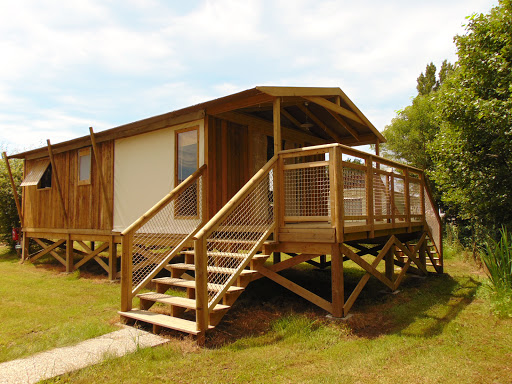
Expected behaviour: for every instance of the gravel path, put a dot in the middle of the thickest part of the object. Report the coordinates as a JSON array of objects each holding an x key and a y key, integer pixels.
[{"x": 58, "y": 361}]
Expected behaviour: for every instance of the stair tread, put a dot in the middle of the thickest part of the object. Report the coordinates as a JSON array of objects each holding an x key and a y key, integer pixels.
[
  {"x": 176, "y": 300},
  {"x": 163, "y": 320},
  {"x": 192, "y": 267},
  {"x": 227, "y": 254},
  {"x": 192, "y": 284}
]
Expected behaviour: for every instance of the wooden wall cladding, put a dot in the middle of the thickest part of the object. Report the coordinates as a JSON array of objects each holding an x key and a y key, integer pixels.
[
  {"x": 228, "y": 161},
  {"x": 84, "y": 204}
]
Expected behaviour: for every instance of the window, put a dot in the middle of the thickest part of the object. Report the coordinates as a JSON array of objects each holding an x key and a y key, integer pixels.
[
  {"x": 40, "y": 175},
  {"x": 186, "y": 162},
  {"x": 46, "y": 179},
  {"x": 84, "y": 166}
]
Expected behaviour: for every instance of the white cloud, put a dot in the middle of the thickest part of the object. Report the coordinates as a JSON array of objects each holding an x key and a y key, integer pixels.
[{"x": 68, "y": 65}]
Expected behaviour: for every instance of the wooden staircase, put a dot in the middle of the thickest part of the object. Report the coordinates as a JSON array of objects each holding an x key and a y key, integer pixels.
[
  {"x": 433, "y": 259},
  {"x": 180, "y": 312}
]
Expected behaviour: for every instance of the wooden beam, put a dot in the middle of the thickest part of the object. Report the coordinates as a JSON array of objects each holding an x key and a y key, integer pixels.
[
  {"x": 367, "y": 267},
  {"x": 344, "y": 124},
  {"x": 53, "y": 253},
  {"x": 110, "y": 212},
  {"x": 47, "y": 250},
  {"x": 277, "y": 125},
  {"x": 260, "y": 98},
  {"x": 400, "y": 277},
  {"x": 320, "y": 123},
  {"x": 92, "y": 254},
  {"x": 292, "y": 119},
  {"x": 335, "y": 108},
  {"x": 13, "y": 186},
  {"x": 359, "y": 287},
  {"x": 410, "y": 253},
  {"x": 295, "y": 288},
  {"x": 267, "y": 127},
  {"x": 59, "y": 191}
]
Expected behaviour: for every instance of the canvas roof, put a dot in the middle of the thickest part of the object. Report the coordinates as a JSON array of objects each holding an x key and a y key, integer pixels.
[{"x": 316, "y": 112}]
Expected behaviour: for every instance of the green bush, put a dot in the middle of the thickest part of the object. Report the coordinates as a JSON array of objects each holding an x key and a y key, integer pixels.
[{"x": 497, "y": 257}]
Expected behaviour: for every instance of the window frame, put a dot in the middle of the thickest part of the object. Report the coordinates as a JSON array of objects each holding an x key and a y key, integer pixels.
[
  {"x": 176, "y": 178},
  {"x": 82, "y": 152}
]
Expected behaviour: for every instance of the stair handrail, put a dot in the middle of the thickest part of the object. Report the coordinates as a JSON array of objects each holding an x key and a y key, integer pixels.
[
  {"x": 150, "y": 213},
  {"x": 127, "y": 235},
  {"x": 215, "y": 221},
  {"x": 203, "y": 306}
]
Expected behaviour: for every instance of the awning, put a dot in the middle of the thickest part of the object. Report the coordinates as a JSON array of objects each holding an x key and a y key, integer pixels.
[{"x": 36, "y": 173}]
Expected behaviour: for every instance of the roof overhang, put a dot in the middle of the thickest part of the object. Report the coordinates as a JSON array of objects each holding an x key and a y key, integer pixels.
[{"x": 326, "y": 114}]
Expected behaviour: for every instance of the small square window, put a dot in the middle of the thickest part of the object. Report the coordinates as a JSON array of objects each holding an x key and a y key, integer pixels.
[{"x": 84, "y": 166}]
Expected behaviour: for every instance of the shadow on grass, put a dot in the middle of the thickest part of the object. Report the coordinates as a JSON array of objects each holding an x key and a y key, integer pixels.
[{"x": 422, "y": 308}]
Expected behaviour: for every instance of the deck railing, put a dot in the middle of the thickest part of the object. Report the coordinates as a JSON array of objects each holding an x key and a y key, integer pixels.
[
  {"x": 160, "y": 234},
  {"x": 354, "y": 191}
]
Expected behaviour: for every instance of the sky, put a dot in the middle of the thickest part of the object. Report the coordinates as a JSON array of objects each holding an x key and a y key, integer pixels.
[{"x": 69, "y": 65}]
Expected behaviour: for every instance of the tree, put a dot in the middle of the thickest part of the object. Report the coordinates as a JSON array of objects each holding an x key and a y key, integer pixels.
[
  {"x": 416, "y": 125},
  {"x": 472, "y": 153},
  {"x": 8, "y": 213}
]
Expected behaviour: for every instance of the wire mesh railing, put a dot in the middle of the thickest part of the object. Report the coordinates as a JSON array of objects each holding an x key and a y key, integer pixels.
[
  {"x": 158, "y": 236},
  {"x": 226, "y": 244},
  {"x": 377, "y": 193}
]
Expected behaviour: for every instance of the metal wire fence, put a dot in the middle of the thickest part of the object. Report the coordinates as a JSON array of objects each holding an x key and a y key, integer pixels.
[
  {"x": 235, "y": 239},
  {"x": 164, "y": 234}
]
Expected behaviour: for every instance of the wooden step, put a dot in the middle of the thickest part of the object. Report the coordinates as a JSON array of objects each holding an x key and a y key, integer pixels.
[
  {"x": 162, "y": 320},
  {"x": 174, "y": 282},
  {"x": 182, "y": 302},
  {"x": 229, "y": 271},
  {"x": 234, "y": 255}
]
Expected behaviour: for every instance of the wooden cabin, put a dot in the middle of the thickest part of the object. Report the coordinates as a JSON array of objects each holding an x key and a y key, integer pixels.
[{"x": 201, "y": 197}]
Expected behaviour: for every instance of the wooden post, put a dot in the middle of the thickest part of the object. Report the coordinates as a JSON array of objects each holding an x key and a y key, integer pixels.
[
  {"x": 422, "y": 253},
  {"x": 422, "y": 196},
  {"x": 59, "y": 191},
  {"x": 201, "y": 285},
  {"x": 69, "y": 255},
  {"x": 25, "y": 247},
  {"x": 126, "y": 272},
  {"x": 112, "y": 259},
  {"x": 336, "y": 163},
  {"x": 377, "y": 152},
  {"x": 338, "y": 295},
  {"x": 277, "y": 257},
  {"x": 277, "y": 125},
  {"x": 407, "y": 199},
  {"x": 102, "y": 179},
  {"x": 393, "y": 208},
  {"x": 14, "y": 190},
  {"x": 389, "y": 263},
  {"x": 369, "y": 194}
]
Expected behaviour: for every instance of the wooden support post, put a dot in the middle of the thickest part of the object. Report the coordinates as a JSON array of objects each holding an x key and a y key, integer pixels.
[
  {"x": 13, "y": 186},
  {"x": 202, "y": 318},
  {"x": 389, "y": 263},
  {"x": 112, "y": 259},
  {"x": 59, "y": 190},
  {"x": 97, "y": 160},
  {"x": 369, "y": 195},
  {"x": 338, "y": 295},
  {"x": 393, "y": 207},
  {"x": 25, "y": 247},
  {"x": 277, "y": 257},
  {"x": 126, "y": 272},
  {"x": 337, "y": 210},
  {"x": 407, "y": 199},
  {"x": 422, "y": 253},
  {"x": 69, "y": 255},
  {"x": 277, "y": 126}
]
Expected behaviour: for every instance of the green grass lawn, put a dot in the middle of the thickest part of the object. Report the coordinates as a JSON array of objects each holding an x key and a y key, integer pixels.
[
  {"x": 41, "y": 308},
  {"x": 435, "y": 330}
]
